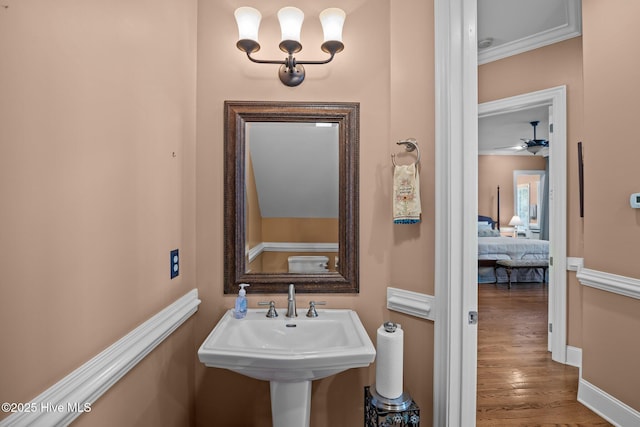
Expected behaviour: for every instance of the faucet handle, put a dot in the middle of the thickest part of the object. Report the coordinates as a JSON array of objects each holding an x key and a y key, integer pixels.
[
  {"x": 272, "y": 308},
  {"x": 312, "y": 308}
]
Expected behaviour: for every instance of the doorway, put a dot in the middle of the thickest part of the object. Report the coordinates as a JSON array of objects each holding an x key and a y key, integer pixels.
[
  {"x": 555, "y": 98},
  {"x": 456, "y": 132}
]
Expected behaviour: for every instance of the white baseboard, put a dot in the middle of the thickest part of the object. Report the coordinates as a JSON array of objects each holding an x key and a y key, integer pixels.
[
  {"x": 607, "y": 406},
  {"x": 599, "y": 401},
  {"x": 574, "y": 356},
  {"x": 74, "y": 394}
]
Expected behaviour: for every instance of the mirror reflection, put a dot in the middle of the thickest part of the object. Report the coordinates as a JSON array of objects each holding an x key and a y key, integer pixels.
[
  {"x": 292, "y": 197},
  {"x": 529, "y": 202}
]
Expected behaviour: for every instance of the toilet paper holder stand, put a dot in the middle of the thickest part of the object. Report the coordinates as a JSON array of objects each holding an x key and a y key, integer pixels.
[
  {"x": 399, "y": 411},
  {"x": 399, "y": 404},
  {"x": 380, "y": 411}
]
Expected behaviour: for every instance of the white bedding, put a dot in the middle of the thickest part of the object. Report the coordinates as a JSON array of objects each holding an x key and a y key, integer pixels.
[{"x": 511, "y": 248}]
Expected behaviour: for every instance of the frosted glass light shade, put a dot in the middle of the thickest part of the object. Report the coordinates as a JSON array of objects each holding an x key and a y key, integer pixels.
[
  {"x": 534, "y": 148},
  {"x": 290, "y": 23},
  {"x": 248, "y": 20},
  {"x": 332, "y": 20}
]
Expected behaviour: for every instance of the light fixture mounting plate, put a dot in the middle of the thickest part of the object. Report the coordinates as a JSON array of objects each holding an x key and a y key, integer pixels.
[{"x": 291, "y": 76}]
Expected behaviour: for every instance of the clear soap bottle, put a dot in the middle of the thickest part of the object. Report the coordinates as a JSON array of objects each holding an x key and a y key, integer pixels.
[{"x": 240, "y": 309}]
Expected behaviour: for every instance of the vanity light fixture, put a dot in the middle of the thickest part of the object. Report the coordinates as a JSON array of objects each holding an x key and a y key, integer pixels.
[{"x": 291, "y": 71}]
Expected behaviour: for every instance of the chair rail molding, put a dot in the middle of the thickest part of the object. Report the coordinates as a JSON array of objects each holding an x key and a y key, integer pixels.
[
  {"x": 411, "y": 303},
  {"x": 621, "y": 285},
  {"x": 574, "y": 263},
  {"x": 75, "y": 393},
  {"x": 291, "y": 247}
]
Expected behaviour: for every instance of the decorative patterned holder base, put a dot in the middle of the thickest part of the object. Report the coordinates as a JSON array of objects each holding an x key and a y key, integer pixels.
[{"x": 382, "y": 412}]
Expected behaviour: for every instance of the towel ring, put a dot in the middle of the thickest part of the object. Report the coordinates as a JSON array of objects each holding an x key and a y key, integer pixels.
[{"x": 410, "y": 145}]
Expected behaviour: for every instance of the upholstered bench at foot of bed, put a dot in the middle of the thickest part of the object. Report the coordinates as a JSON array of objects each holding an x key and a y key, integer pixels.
[
  {"x": 510, "y": 264},
  {"x": 487, "y": 263}
]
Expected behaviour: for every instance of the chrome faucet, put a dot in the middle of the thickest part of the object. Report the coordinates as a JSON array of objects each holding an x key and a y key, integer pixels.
[{"x": 291, "y": 302}]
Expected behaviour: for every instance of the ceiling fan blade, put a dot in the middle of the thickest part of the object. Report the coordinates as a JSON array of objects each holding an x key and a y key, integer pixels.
[{"x": 511, "y": 147}]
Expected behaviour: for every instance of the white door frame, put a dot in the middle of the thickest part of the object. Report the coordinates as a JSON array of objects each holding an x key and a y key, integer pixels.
[
  {"x": 555, "y": 97},
  {"x": 456, "y": 98}
]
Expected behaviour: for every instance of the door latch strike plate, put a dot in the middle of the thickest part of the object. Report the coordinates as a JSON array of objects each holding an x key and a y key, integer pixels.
[{"x": 473, "y": 317}]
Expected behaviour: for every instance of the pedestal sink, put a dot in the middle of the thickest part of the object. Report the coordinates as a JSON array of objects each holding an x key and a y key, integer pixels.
[{"x": 289, "y": 353}]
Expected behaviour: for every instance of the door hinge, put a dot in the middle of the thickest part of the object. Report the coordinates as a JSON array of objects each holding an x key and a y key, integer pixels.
[
  {"x": 550, "y": 327},
  {"x": 551, "y": 261},
  {"x": 551, "y": 127},
  {"x": 473, "y": 317}
]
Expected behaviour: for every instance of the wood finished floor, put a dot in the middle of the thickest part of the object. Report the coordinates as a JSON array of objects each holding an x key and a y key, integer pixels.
[{"x": 518, "y": 383}]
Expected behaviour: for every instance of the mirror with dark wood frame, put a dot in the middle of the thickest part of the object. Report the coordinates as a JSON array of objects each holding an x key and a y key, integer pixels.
[{"x": 291, "y": 193}]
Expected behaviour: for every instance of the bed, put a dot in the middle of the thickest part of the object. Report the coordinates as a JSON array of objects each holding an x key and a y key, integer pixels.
[{"x": 492, "y": 246}]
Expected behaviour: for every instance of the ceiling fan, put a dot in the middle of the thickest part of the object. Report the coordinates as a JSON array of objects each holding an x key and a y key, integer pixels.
[
  {"x": 534, "y": 145},
  {"x": 531, "y": 145}
]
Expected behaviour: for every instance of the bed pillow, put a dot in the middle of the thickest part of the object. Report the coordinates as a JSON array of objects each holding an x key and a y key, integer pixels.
[
  {"x": 482, "y": 225},
  {"x": 488, "y": 233}
]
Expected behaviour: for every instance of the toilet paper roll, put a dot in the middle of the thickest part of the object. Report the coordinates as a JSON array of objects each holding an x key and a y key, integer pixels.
[{"x": 389, "y": 353}]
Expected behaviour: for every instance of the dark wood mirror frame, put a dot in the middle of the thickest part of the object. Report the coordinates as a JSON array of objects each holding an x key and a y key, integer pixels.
[{"x": 237, "y": 114}]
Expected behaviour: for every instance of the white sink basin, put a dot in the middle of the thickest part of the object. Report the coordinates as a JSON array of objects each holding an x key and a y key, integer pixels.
[
  {"x": 289, "y": 353},
  {"x": 283, "y": 349}
]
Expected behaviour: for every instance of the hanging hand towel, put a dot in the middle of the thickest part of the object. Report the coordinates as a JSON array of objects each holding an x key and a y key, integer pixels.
[{"x": 406, "y": 194}]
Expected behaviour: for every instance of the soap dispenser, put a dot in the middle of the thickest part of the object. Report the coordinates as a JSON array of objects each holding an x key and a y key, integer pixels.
[{"x": 240, "y": 309}]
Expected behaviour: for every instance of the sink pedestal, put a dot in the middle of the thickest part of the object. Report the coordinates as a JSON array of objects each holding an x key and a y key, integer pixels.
[
  {"x": 290, "y": 403},
  {"x": 289, "y": 353}
]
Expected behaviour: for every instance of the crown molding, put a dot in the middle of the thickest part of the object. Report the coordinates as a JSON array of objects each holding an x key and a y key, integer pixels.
[{"x": 570, "y": 29}]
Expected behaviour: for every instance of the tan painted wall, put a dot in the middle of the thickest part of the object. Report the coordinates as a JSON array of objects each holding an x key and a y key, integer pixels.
[
  {"x": 320, "y": 230},
  {"x": 254, "y": 219},
  {"x": 372, "y": 67},
  {"x": 88, "y": 183},
  {"x": 494, "y": 171},
  {"x": 96, "y": 96},
  {"x": 550, "y": 66},
  {"x": 611, "y": 347},
  {"x": 310, "y": 230}
]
